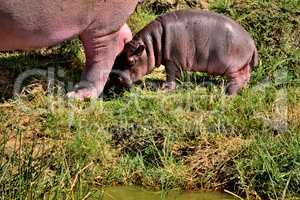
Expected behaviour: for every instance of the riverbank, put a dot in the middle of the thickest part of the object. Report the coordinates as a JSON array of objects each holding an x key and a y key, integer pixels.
[{"x": 193, "y": 138}]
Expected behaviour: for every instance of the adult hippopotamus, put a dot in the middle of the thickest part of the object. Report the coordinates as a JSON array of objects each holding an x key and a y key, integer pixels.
[
  {"x": 192, "y": 40},
  {"x": 31, "y": 24}
]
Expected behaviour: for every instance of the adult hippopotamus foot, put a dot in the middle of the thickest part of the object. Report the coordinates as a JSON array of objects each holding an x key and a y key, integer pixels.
[
  {"x": 83, "y": 90},
  {"x": 238, "y": 80}
]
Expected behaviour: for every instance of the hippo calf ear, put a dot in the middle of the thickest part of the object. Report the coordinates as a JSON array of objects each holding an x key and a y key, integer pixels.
[{"x": 139, "y": 50}]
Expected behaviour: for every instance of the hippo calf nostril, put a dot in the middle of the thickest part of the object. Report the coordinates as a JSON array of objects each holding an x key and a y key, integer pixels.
[{"x": 121, "y": 80}]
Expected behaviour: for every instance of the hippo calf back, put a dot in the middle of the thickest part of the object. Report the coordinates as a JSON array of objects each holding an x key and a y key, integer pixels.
[
  {"x": 30, "y": 24},
  {"x": 192, "y": 40}
]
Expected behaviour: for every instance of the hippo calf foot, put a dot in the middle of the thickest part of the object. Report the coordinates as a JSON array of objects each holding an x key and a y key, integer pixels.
[
  {"x": 169, "y": 86},
  {"x": 232, "y": 89},
  {"x": 235, "y": 86},
  {"x": 83, "y": 91}
]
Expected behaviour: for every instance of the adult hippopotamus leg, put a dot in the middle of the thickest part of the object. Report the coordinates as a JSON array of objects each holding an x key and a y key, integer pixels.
[
  {"x": 125, "y": 35},
  {"x": 100, "y": 51},
  {"x": 238, "y": 80}
]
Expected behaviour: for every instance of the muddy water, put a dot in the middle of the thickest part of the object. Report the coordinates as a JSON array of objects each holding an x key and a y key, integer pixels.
[{"x": 133, "y": 193}]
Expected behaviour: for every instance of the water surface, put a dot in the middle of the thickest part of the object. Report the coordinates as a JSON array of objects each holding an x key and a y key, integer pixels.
[{"x": 134, "y": 193}]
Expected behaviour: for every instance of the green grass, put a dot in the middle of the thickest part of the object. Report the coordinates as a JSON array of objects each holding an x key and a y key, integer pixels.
[{"x": 192, "y": 138}]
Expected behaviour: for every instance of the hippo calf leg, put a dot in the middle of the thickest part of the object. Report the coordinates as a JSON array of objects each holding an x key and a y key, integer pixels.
[
  {"x": 172, "y": 73},
  {"x": 238, "y": 80},
  {"x": 100, "y": 53}
]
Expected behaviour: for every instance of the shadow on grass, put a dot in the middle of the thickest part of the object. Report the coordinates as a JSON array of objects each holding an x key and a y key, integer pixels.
[
  {"x": 13, "y": 64},
  {"x": 113, "y": 89}
]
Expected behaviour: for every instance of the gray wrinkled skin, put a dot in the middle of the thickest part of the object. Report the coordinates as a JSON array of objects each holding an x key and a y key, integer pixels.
[{"x": 191, "y": 40}]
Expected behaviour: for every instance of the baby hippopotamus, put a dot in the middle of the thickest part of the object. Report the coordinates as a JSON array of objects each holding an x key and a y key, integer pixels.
[{"x": 191, "y": 40}]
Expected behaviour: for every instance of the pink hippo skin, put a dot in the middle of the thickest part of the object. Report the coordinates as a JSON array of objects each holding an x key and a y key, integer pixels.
[
  {"x": 191, "y": 40},
  {"x": 31, "y": 24},
  {"x": 125, "y": 35}
]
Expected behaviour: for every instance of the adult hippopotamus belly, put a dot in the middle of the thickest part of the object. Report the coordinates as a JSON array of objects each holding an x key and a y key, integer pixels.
[
  {"x": 31, "y": 24},
  {"x": 28, "y": 41}
]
